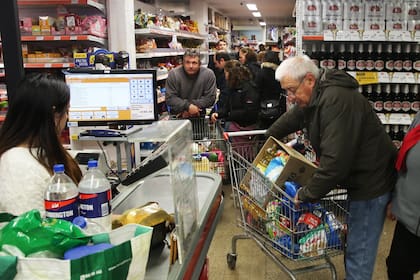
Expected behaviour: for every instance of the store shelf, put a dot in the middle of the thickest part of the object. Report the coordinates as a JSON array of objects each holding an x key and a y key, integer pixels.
[
  {"x": 48, "y": 65},
  {"x": 369, "y": 35},
  {"x": 91, "y": 38},
  {"x": 92, "y": 3},
  {"x": 156, "y": 32},
  {"x": 160, "y": 53},
  {"x": 372, "y": 77},
  {"x": 395, "y": 118}
]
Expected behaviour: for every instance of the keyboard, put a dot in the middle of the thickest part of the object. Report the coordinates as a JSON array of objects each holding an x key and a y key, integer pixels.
[
  {"x": 101, "y": 133},
  {"x": 148, "y": 167}
]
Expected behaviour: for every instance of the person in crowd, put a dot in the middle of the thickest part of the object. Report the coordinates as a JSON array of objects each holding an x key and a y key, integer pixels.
[
  {"x": 272, "y": 96},
  {"x": 240, "y": 107},
  {"x": 261, "y": 48},
  {"x": 404, "y": 257},
  {"x": 352, "y": 147},
  {"x": 30, "y": 143},
  {"x": 190, "y": 87},
  {"x": 221, "y": 46},
  {"x": 248, "y": 57},
  {"x": 260, "y": 57},
  {"x": 220, "y": 60}
]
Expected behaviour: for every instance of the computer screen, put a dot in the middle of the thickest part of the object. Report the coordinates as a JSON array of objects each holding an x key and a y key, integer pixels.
[{"x": 112, "y": 97}]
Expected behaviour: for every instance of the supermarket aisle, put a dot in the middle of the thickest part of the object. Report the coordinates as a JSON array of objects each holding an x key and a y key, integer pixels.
[{"x": 252, "y": 263}]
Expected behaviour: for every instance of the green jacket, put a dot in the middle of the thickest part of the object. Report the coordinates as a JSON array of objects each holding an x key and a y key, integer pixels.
[{"x": 350, "y": 141}]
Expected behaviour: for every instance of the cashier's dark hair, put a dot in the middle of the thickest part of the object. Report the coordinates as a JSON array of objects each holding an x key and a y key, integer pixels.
[{"x": 30, "y": 122}]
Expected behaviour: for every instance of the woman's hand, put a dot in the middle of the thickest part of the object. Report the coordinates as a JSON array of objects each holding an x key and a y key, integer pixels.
[{"x": 214, "y": 117}]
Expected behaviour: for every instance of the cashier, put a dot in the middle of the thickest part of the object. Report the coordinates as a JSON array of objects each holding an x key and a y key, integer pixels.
[{"x": 30, "y": 142}]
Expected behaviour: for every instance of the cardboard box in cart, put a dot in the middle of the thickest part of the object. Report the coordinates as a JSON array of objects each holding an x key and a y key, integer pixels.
[{"x": 297, "y": 169}]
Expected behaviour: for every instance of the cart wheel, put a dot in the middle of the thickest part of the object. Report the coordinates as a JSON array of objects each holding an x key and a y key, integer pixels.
[{"x": 231, "y": 260}]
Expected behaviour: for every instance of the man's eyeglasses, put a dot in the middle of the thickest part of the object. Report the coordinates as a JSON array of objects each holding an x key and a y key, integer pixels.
[{"x": 291, "y": 91}]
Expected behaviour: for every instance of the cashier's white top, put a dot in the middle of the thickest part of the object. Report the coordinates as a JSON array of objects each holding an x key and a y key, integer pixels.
[{"x": 22, "y": 182}]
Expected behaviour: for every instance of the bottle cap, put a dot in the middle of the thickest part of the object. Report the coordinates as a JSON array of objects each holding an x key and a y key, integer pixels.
[
  {"x": 80, "y": 222},
  {"x": 58, "y": 168},
  {"x": 92, "y": 163}
]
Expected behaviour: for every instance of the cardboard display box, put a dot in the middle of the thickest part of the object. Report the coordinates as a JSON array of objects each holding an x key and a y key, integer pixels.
[{"x": 297, "y": 169}]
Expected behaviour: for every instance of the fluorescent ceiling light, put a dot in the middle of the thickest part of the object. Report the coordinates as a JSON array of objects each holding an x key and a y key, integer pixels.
[
  {"x": 256, "y": 14},
  {"x": 252, "y": 7},
  {"x": 262, "y": 23}
]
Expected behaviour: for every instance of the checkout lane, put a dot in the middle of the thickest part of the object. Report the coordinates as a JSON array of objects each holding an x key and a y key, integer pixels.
[{"x": 158, "y": 188}]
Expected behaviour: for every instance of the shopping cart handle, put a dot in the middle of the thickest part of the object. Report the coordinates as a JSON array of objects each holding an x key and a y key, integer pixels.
[{"x": 246, "y": 133}]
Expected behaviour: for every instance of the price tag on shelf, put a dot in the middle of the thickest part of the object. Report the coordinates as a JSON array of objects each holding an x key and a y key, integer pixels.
[
  {"x": 328, "y": 35},
  {"x": 382, "y": 117},
  {"x": 403, "y": 77},
  {"x": 341, "y": 35},
  {"x": 404, "y": 119},
  {"x": 365, "y": 78},
  {"x": 354, "y": 35},
  {"x": 394, "y": 35},
  {"x": 73, "y": 38},
  {"x": 417, "y": 36},
  {"x": 57, "y": 38},
  {"x": 406, "y": 36},
  {"x": 374, "y": 35},
  {"x": 39, "y": 38},
  {"x": 383, "y": 77}
]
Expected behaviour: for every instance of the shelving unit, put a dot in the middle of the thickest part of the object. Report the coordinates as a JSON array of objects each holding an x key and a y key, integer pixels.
[{"x": 388, "y": 81}]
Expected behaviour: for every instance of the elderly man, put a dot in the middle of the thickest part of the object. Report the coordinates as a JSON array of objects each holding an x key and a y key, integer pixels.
[
  {"x": 190, "y": 88},
  {"x": 353, "y": 149}
]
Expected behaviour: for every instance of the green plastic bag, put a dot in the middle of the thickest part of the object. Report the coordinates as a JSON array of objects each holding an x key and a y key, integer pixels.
[{"x": 32, "y": 234}]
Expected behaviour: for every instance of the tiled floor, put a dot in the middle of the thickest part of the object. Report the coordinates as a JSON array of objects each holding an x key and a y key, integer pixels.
[{"x": 252, "y": 263}]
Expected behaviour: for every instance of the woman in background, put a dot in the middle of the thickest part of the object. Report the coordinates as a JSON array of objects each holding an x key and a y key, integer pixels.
[
  {"x": 30, "y": 143},
  {"x": 240, "y": 107},
  {"x": 248, "y": 57},
  {"x": 404, "y": 257}
]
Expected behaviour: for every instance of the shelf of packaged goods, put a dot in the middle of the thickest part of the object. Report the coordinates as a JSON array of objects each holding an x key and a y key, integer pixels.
[
  {"x": 219, "y": 30},
  {"x": 156, "y": 32},
  {"x": 91, "y": 38},
  {"x": 49, "y": 65},
  {"x": 92, "y": 3},
  {"x": 368, "y": 35}
]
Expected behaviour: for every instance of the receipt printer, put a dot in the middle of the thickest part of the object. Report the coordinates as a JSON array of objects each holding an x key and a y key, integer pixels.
[{"x": 83, "y": 156}]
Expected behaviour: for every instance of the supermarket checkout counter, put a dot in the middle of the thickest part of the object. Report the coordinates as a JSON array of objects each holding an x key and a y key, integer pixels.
[{"x": 157, "y": 187}]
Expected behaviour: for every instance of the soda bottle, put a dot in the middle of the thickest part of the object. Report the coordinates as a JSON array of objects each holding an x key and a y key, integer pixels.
[
  {"x": 60, "y": 196},
  {"x": 95, "y": 197}
]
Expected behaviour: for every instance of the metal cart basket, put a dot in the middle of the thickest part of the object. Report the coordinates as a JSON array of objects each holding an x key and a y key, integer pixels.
[{"x": 298, "y": 232}]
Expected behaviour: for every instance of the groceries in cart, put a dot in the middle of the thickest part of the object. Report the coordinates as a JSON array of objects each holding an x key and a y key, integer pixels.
[{"x": 304, "y": 230}]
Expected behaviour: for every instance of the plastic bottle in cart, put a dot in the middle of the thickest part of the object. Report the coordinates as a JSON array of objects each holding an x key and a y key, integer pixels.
[
  {"x": 86, "y": 226},
  {"x": 60, "y": 196},
  {"x": 95, "y": 197}
]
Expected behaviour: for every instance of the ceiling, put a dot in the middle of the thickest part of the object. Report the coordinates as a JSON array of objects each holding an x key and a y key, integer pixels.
[{"x": 274, "y": 12}]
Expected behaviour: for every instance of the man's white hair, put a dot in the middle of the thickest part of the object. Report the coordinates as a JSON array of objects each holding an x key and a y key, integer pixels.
[{"x": 296, "y": 67}]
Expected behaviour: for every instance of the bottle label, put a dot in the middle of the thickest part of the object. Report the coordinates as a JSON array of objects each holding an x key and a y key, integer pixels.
[
  {"x": 64, "y": 209},
  {"x": 360, "y": 64},
  {"x": 388, "y": 106},
  {"x": 378, "y": 106},
  {"x": 351, "y": 64},
  {"x": 379, "y": 65},
  {"x": 396, "y": 106},
  {"x": 324, "y": 63},
  {"x": 398, "y": 65},
  {"x": 389, "y": 65},
  {"x": 415, "y": 106},
  {"x": 370, "y": 64},
  {"x": 407, "y": 65},
  {"x": 95, "y": 205},
  {"x": 330, "y": 63},
  {"x": 416, "y": 65},
  {"x": 341, "y": 64},
  {"x": 405, "y": 106}
]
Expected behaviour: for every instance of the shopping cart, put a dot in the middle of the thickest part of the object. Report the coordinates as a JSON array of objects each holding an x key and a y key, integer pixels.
[
  {"x": 284, "y": 230},
  {"x": 209, "y": 147}
]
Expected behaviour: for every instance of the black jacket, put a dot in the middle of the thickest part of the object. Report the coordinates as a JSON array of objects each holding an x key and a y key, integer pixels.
[
  {"x": 241, "y": 105},
  {"x": 353, "y": 148}
]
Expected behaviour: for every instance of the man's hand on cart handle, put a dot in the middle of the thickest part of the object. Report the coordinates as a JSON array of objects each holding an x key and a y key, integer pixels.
[
  {"x": 389, "y": 213},
  {"x": 296, "y": 200}
]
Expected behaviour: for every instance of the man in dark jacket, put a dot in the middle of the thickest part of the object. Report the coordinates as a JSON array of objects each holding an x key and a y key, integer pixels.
[{"x": 353, "y": 149}]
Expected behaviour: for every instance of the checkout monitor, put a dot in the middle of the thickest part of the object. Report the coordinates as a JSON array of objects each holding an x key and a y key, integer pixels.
[{"x": 112, "y": 97}]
